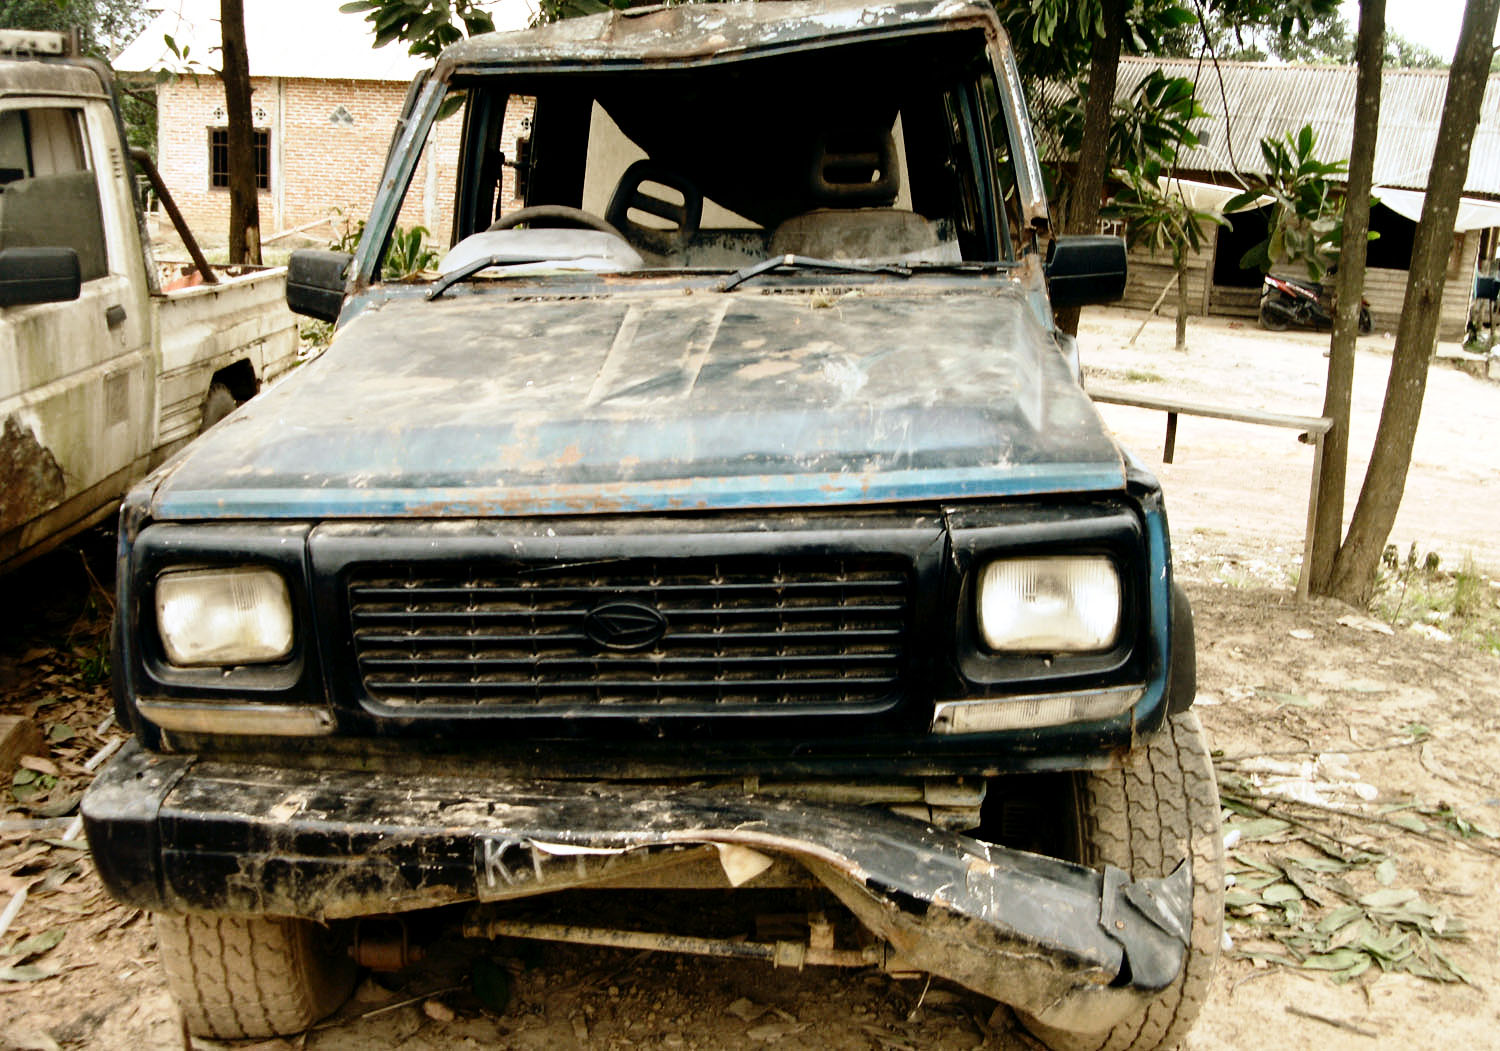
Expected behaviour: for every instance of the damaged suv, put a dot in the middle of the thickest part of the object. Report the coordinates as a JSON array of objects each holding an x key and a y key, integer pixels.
[{"x": 725, "y": 512}]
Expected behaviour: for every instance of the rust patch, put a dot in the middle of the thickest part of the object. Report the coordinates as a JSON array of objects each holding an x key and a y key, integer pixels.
[{"x": 31, "y": 481}]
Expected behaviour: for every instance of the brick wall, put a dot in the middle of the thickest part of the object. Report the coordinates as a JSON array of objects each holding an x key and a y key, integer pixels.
[{"x": 328, "y": 146}]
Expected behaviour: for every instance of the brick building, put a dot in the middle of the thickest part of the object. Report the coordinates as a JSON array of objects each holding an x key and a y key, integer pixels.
[{"x": 324, "y": 105}]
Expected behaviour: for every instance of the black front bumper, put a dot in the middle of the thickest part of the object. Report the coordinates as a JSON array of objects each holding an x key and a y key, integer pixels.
[{"x": 1072, "y": 946}]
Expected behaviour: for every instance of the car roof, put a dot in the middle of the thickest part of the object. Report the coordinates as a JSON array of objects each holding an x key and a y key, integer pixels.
[{"x": 689, "y": 34}]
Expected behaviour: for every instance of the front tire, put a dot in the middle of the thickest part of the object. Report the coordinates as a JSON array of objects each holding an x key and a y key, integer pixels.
[
  {"x": 1366, "y": 321},
  {"x": 1270, "y": 319},
  {"x": 1146, "y": 818},
  {"x": 254, "y": 977}
]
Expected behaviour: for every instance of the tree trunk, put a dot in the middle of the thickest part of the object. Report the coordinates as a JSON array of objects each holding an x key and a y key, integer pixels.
[
  {"x": 1354, "y": 567},
  {"x": 1182, "y": 301},
  {"x": 1370, "y": 53},
  {"x": 1093, "y": 152},
  {"x": 244, "y": 204}
]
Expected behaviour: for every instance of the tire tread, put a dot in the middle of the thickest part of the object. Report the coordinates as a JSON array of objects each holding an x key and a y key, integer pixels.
[
  {"x": 1144, "y": 818},
  {"x": 254, "y": 977}
]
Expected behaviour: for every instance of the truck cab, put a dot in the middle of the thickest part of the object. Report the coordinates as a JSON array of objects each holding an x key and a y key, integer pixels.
[{"x": 102, "y": 375}]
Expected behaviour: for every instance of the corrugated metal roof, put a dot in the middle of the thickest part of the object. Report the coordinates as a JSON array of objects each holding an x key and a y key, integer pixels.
[{"x": 1271, "y": 100}]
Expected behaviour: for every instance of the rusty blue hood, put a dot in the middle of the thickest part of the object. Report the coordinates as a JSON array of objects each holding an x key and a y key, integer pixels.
[{"x": 493, "y": 403}]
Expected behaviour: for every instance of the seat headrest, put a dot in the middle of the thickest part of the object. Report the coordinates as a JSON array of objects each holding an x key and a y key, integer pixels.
[{"x": 856, "y": 168}]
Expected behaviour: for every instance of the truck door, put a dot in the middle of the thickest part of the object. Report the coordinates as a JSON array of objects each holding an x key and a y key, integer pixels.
[{"x": 75, "y": 379}]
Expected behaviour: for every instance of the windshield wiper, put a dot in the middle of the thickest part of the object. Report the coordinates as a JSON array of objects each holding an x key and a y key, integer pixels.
[
  {"x": 776, "y": 262},
  {"x": 469, "y": 269}
]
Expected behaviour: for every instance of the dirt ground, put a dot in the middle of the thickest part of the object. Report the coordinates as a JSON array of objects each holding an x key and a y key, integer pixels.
[{"x": 1311, "y": 709}]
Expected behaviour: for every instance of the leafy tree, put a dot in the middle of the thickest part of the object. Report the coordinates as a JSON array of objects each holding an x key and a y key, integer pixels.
[
  {"x": 1306, "y": 206},
  {"x": 244, "y": 202},
  {"x": 1151, "y": 125},
  {"x": 106, "y": 25},
  {"x": 1157, "y": 215},
  {"x": 1324, "y": 40},
  {"x": 1329, "y": 519},
  {"x": 1354, "y": 566},
  {"x": 425, "y": 26},
  {"x": 1050, "y": 33}
]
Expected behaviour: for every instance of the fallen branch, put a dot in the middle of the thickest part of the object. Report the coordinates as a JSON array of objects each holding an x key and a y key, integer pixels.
[
  {"x": 1356, "y": 815},
  {"x": 1290, "y": 819},
  {"x": 1337, "y": 1023},
  {"x": 102, "y": 754},
  {"x": 1154, "y": 308},
  {"x": 1332, "y": 750},
  {"x": 386, "y": 1009}
]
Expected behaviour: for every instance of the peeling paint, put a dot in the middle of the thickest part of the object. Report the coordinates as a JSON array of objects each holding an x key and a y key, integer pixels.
[{"x": 31, "y": 480}]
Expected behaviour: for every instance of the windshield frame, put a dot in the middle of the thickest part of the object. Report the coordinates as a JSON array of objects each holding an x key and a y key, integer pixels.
[{"x": 450, "y": 78}]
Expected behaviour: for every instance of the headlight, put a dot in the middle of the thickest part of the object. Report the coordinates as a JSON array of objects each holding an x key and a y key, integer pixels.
[
  {"x": 224, "y": 616},
  {"x": 1049, "y": 605}
]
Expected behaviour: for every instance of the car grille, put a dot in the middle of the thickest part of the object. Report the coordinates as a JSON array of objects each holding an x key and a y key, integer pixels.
[{"x": 709, "y": 632}]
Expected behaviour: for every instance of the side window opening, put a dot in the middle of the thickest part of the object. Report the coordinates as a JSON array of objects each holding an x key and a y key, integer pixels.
[
  {"x": 49, "y": 197},
  {"x": 1002, "y": 163}
]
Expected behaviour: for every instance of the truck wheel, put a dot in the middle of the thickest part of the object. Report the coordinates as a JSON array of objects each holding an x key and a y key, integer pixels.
[
  {"x": 1270, "y": 319},
  {"x": 1366, "y": 322},
  {"x": 217, "y": 403},
  {"x": 252, "y": 977},
  {"x": 1145, "y": 818}
]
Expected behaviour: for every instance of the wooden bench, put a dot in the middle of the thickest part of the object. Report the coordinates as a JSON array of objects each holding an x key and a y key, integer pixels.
[{"x": 1312, "y": 430}]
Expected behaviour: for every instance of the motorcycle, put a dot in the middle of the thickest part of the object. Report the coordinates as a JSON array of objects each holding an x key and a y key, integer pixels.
[{"x": 1285, "y": 301}]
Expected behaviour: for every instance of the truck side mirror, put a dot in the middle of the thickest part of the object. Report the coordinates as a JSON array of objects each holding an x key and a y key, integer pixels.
[
  {"x": 315, "y": 282},
  {"x": 38, "y": 275},
  {"x": 1085, "y": 269}
]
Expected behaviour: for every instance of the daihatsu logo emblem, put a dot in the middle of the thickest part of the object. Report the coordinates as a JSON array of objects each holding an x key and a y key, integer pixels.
[{"x": 624, "y": 626}]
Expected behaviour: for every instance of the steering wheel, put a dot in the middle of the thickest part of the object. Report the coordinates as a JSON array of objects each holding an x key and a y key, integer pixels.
[
  {"x": 553, "y": 215},
  {"x": 631, "y": 195}
]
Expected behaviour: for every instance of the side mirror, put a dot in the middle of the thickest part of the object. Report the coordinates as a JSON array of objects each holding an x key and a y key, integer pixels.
[
  {"x": 38, "y": 275},
  {"x": 315, "y": 282},
  {"x": 1085, "y": 269}
]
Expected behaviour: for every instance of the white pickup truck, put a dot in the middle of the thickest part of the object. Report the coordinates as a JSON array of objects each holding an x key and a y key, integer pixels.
[{"x": 102, "y": 373}]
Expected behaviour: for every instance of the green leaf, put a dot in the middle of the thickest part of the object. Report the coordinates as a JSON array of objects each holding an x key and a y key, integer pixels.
[
  {"x": 1259, "y": 828},
  {"x": 1408, "y": 821},
  {"x": 1393, "y": 945},
  {"x": 1259, "y": 881},
  {"x": 1252, "y": 862},
  {"x": 1320, "y": 864},
  {"x": 57, "y": 733},
  {"x": 1385, "y": 872},
  {"x": 1353, "y": 971},
  {"x": 1340, "y": 918},
  {"x": 28, "y": 972},
  {"x": 1390, "y": 898},
  {"x": 1338, "y": 960},
  {"x": 1239, "y": 899},
  {"x": 38, "y": 944},
  {"x": 1447, "y": 961},
  {"x": 1278, "y": 893}
]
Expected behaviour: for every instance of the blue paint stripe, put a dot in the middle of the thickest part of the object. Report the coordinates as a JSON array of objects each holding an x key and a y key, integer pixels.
[{"x": 692, "y": 494}]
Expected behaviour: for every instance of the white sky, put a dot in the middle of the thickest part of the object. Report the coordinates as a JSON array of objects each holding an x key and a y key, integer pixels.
[{"x": 1432, "y": 23}]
